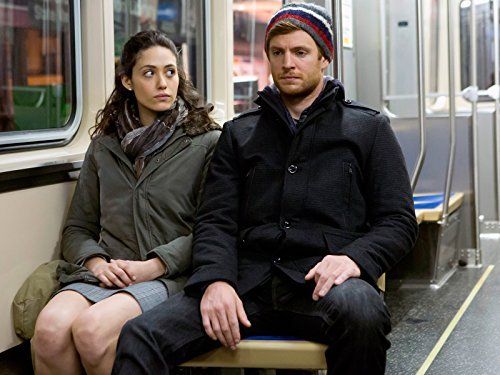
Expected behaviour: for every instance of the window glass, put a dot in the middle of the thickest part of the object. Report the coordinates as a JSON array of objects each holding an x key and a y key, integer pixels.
[
  {"x": 485, "y": 43},
  {"x": 400, "y": 70},
  {"x": 36, "y": 70},
  {"x": 250, "y": 67},
  {"x": 182, "y": 20}
]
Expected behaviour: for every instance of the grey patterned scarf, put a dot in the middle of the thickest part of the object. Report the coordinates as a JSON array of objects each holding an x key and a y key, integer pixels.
[{"x": 140, "y": 143}]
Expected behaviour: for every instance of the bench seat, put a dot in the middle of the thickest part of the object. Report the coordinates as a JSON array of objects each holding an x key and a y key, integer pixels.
[
  {"x": 265, "y": 352},
  {"x": 431, "y": 209}
]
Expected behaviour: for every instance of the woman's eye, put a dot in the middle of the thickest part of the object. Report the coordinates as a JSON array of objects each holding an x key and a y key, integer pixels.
[
  {"x": 148, "y": 73},
  {"x": 171, "y": 72}
]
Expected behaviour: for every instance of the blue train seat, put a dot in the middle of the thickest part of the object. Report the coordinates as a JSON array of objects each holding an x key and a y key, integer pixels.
[{"x": 429, "y": 207}]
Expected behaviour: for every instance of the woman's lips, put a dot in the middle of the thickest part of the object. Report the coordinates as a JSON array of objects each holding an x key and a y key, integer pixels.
[{"x": 162, "y": 97}]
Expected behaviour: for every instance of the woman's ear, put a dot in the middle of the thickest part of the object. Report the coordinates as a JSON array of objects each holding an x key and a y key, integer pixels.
[{"x": 127, "y": 82}]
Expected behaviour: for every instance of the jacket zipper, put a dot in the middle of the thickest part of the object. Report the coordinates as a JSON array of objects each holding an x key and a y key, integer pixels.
[
  {"x": 348, "y": 172},
  {"x": 247, "y": 203}
]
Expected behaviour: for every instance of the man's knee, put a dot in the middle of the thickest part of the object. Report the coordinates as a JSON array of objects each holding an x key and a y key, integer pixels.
[
  {"x": 358, "y": 306},
  {"x": 136, "y": 329},
  {"x": 162, "y": 326}
]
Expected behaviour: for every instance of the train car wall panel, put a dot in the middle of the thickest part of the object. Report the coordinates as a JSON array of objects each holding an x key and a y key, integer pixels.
[
  {"x": 367, "y": 52},
  {"x": 487, "y": 168},
  {"x": 402, "y": 56},
  {"x": 30, "y": 229},
  {"x": 432, "y": 177}
]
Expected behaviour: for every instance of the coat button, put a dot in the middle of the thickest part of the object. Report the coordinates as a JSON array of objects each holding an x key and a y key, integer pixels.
[
  {"x": 292, "y": 169},
  {"x": 286, "y": 224}
]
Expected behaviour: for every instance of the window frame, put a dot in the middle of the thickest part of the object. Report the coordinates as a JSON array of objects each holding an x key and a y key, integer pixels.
[{"x": 31, "y": 139}]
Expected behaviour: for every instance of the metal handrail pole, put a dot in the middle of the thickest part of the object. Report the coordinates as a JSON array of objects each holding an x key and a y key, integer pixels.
[
  {"x": 473, "y": 32},
  {"x": 451, "y": 89},
  {"x": 339, "y": 45},
  {"x": 383, "y": 53},
  {"x": 496, "y": 43},
  {"x": 421, "y": 94}
]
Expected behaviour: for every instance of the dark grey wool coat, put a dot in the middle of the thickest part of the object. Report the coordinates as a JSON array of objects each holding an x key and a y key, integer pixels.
[
  {"x": 278, "y": 200},
  {"x": 116, "y": 215}
]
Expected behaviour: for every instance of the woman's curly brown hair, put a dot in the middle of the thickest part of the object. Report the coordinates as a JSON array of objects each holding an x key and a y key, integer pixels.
[{"x": 197, "y": 121}]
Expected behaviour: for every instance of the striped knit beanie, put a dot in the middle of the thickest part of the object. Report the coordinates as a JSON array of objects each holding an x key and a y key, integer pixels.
[{"x": 311, "y": 18}]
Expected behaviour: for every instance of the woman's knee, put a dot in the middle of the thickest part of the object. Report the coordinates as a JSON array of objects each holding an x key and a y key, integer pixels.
[
  {"x": 89, "y": 336},
  {"x": 52, "y": 332}
]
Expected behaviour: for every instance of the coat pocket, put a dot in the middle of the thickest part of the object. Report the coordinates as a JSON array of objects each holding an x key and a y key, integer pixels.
[
  {"x": 337, "y": 239},
  {"x": 347, "y": 176},
  {"x": 262, "y": 195},
  {"x": 248, "y": 187}
]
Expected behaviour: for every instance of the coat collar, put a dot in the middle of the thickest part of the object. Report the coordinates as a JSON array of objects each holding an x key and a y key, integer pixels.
[
  {"x": 167, "y": 151},
  {"x": 270, "y": 98}
]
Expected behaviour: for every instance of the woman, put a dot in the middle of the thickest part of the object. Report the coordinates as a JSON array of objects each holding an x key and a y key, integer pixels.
[{"x": 133, "y": 210}]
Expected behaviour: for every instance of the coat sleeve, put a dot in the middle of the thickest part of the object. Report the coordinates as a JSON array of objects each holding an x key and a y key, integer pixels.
[
  {"x": 390, "y": 211},
  {"x": 216, "y": 229},
  {"x": 177, "y": 254},
  {"x": 82, "y": 228}
]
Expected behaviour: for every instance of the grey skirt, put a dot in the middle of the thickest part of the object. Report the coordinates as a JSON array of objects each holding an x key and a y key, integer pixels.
[{"x": 148, "y": 294}]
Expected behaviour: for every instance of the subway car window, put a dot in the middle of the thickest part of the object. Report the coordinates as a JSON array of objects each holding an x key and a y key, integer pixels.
[
  {"x": 399, "y": 30},
  {"x": 484, "y": 40},
  {"x": 182, "y": 20},
  {"x": 37, "y": 74},
  {"x": 250, "y": 68}
]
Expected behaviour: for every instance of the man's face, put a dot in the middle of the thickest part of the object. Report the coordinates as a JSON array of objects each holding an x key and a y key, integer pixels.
[{"x": 296, "y": 64}]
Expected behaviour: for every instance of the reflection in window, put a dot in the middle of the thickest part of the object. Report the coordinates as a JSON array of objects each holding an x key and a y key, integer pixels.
[
  {"x": 36, "y": 77},
  {"x": 251, "y": 71},
  {"x": 485, "y": 45},
  {"x": 400, "y": 70},
  {"x": 183, "y": 22}
]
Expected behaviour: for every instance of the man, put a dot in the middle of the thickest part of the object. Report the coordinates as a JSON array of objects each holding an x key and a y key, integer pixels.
[{"x": 306, "y": 204}]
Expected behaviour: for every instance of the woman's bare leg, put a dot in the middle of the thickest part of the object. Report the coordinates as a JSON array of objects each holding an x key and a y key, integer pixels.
[
  {"x": 53, "y": 348},
  {"x": 96, "y": 331}
]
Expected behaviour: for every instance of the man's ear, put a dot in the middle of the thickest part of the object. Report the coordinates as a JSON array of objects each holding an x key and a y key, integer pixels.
[
  {"x": 324, "y": 63},
  {"x": 126, "y": 82}
]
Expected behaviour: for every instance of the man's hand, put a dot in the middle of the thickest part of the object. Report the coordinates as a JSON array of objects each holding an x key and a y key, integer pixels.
[
  {"x": 139, "y": 271},
  {"x": 221, "y": 311},
  {"x": 109, "y": 274},
  {"x": 332, "y": 270}
]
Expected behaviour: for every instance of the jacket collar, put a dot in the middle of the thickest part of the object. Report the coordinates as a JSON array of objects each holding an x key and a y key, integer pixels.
[
  {"x": 166, "y": 152},
  {"x": 270, "y": 98}
]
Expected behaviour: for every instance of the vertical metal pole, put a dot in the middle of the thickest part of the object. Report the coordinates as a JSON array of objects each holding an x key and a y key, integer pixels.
[
  {"x": 497, "y": 97},
  {"x": 252, "y": 53},
  {"x": 207, "y": 50},
  {"x": 383, "y": 50},
  {"x": 339, "y": 49},
  {"x": 473, "y": 74},
  {"x": 451, "y": 95},
  {"x": 421, "y": 93}
]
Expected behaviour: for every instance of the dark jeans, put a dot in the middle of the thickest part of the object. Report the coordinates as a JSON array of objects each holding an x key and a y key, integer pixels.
[{"x": 351, "y": 319}]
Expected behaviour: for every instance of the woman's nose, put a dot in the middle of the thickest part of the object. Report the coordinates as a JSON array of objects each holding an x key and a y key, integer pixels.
[{"x": 162, "y": 81}]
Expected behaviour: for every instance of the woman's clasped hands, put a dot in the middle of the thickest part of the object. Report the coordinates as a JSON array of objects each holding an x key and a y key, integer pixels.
[{"x": 119, "y": 273}]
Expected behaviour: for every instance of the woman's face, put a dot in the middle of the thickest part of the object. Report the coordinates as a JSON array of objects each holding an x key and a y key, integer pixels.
[{"x": 154, "y": 81}]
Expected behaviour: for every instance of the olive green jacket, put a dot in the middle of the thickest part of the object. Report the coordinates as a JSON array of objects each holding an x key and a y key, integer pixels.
[{"x": 115, "y": 215}]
